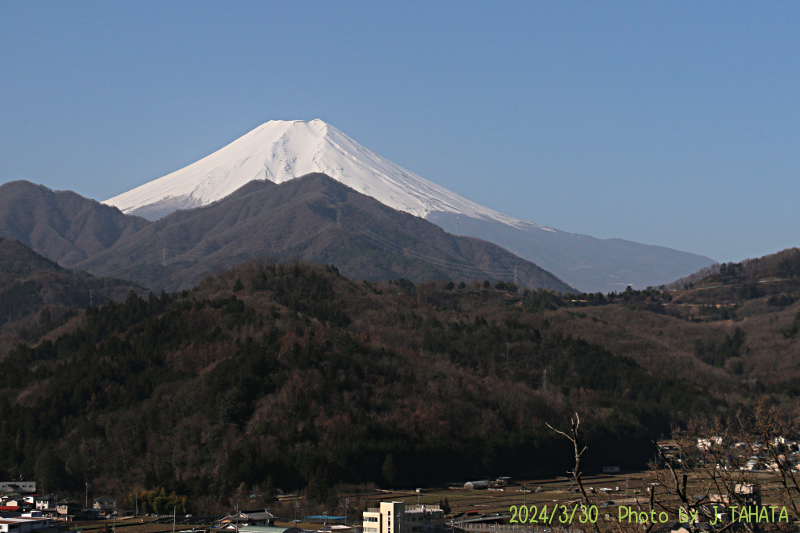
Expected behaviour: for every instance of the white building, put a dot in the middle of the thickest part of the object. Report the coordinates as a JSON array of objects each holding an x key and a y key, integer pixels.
[
  {"x": 45, "y": 502},
  {"x": 394, "y": 517},
  {"x": 26, "y": 525},
  {"x": 388, "y": 518}
]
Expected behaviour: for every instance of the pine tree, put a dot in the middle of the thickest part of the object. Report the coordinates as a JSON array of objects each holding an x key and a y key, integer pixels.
[
  {"x": 269, "y": 490},
  {"x": 389, "y": 470}
]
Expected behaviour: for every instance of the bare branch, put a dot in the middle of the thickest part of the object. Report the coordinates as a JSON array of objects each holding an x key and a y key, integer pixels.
[{"x": 576, "y": 472}]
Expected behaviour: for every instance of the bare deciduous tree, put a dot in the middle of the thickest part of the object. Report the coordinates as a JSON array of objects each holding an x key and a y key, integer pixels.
[{"x": 737, "y": 475}]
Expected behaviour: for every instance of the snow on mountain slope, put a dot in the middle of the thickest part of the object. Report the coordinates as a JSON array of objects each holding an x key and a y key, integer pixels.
[{"x": 283, "y": 150}]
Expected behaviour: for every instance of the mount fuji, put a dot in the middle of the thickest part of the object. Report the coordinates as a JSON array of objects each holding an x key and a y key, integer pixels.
[{"x": 280, "y": 151}]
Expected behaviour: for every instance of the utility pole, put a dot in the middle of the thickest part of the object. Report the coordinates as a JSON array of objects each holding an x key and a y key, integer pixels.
[
  {"x": 86, "y": 503},
  {"x": 173, "y": 519}
]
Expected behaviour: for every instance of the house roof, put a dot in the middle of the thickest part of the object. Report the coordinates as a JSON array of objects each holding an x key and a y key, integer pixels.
[
  {"x": 269, "y": 529},
  {"x": 261, "y": 515}
]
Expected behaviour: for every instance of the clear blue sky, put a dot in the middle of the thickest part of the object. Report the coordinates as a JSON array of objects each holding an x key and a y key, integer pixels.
[{"x": 670, "y": 123}]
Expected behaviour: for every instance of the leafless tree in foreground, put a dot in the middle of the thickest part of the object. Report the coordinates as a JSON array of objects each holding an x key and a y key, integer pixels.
[
  {"x": 579, "y": 451},
  {"x": 743, "y": 475}
]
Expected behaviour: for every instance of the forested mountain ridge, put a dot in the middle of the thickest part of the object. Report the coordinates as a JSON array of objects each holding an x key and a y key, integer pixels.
[
  {"x": 313, "y": 218},
  {"x": 291, "y": 371},
  {"x": 61, "y": 225},
  {"x": 37, "y": 296},
  {"x": 731, "y": 327},
  {"x": 770, "y": 274}
]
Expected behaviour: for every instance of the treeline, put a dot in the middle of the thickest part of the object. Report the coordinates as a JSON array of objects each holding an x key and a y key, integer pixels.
[
  {"x": 784, "y": 264},
  {"x": 156, "y": 501},
  {"x": 646, "y": 299}
]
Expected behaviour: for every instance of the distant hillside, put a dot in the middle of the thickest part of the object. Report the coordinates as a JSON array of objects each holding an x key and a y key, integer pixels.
[
  {"x": 36, "y": 295},
  {"x": 313, "y": 218},
  {"x": 733, "y": 328},
  {"x": 781, "y": 265},
  {"x": 61, "y": 225},
  {"x": 585, "y": 262},
  {"x": 749, "y": 279}
]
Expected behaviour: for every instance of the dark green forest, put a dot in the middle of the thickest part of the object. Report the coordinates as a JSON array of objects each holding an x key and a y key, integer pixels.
[
  {"x": 289, "y": 371},
  {"x": 289, "y": 375}
]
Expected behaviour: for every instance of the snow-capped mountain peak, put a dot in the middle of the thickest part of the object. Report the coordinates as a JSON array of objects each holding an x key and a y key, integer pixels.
[{"x": 283, "y": 150}]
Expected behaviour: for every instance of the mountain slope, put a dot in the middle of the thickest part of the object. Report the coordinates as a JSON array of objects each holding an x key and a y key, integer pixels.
[
  {"x": 595, "y": 265},
  {"x": 289, "y": 370},
  {"x": 61, "y": 225},
  {"x": 36, "y": 295},
  {"x": 279, "y": 151},
  {"x": 780, "y": 266},
  {"x": 313, "y": 218}
]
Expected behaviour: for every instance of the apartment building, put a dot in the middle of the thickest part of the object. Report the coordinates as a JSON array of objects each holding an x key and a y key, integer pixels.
[
  {"x": 388, "y": 518},
  {"x": 394, "y": 517}
]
